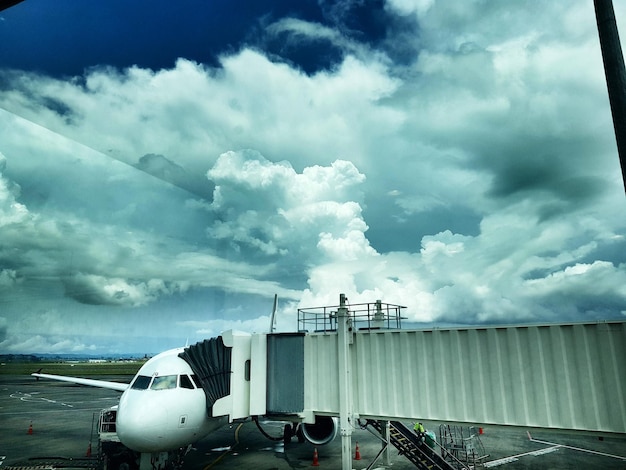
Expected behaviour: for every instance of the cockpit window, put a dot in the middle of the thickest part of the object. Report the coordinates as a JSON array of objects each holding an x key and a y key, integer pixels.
[
  {"x": 164, "y": 382},
  {"x": 142, "y": 382},
  {"x": 196, "y": 380},
  {"x": 185, "y": 382}
]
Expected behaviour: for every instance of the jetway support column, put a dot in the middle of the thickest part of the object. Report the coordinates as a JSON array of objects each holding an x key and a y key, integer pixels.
[
  {"x": 346, "y": 419},
  {"x": 386, "y": 432}
]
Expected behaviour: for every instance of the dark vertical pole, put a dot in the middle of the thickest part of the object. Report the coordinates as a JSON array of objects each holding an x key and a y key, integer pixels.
[{"x": 615, "y": 73}]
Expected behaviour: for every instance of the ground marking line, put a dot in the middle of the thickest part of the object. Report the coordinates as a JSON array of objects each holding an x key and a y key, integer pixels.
[
  {"x": 580, "y": 449},
  {"x": 513, "y": 458},
  {"x": 38, "y": 412}
]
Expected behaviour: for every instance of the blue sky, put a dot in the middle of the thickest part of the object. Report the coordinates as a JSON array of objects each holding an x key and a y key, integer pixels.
[{"x": 165, "y": 170}]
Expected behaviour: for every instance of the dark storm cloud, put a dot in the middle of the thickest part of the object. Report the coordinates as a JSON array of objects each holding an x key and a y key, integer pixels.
[
  {"x": 564, "y": 169},
  {"x": 98, "y": 290},
  {"x": 85, "y": 291}
]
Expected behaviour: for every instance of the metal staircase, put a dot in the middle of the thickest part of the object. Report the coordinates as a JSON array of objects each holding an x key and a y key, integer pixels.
[{"x": 407, "y": 443}]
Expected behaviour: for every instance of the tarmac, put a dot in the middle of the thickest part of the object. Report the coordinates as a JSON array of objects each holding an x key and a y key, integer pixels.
[{"x": 42, "y": 420}]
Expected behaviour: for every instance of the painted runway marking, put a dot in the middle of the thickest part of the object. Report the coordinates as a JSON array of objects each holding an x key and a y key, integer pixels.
[
  {"x": 496, "y": 463},
  {"x": 547, "y": 450},
  {"x": 579, "y": 449},
  {"x": 513, "y": 458},
  {"x": 51, "y": 411},
  {"x": 29, "y": 397},
  {"x": 553, "y": 447}
]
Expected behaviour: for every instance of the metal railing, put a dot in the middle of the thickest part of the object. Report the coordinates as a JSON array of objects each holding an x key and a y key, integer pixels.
[
  {"x": 107, "y": 421},
  {"x": 365, "y": 316},
  {"x": 463, "y": 444}
]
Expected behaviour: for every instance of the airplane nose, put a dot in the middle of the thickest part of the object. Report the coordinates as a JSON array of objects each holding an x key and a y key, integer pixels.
[{"x": 141, "y": 423}]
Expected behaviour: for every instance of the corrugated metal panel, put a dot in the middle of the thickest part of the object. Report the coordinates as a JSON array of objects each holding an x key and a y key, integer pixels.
[
  {"x": 556, "y": 376},
  {"x": 285, "y": 373},
  {"x": 321, "y": 387},
  {"x": 258, "y": 375}
]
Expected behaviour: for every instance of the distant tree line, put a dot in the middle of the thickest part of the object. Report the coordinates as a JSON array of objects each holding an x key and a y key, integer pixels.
[{"x": 6, "y": 358}]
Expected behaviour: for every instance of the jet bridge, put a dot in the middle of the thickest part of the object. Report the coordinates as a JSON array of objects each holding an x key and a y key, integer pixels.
[
  {"x": 567, "y": 376},
  {"x": 355, "y": 362}
]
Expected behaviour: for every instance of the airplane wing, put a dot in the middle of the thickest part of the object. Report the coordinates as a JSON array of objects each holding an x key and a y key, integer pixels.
[{"x": 120, "y": 387}]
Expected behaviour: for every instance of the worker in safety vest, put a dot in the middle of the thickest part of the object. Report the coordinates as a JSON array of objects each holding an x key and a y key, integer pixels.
[{"x": 420, "y": 431}]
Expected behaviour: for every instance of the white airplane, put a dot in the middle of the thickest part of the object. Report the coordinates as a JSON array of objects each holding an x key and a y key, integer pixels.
[
  {"x": 165, "y": 409},
  {"x": 162, "y": 409}
]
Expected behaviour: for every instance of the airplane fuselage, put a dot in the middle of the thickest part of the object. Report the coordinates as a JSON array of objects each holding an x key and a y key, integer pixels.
[{"x": 164, "y": 408}]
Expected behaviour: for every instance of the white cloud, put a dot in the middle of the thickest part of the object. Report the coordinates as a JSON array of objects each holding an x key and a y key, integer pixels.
[
  {"x": 11, "y": 211},
  {"x": 269, "y": 208},
  {"x": 598, "y": 279},
  {"x": 508, "y": 273},
  {"x": 294, "y": 30},
  {"x": 212, "y": 328},
  {"x": 250, "y": 102},
  {"x": 406, "y": 7}
]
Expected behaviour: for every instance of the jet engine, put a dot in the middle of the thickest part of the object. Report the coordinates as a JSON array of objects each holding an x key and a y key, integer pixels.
[{"x": 322, "y": 431}]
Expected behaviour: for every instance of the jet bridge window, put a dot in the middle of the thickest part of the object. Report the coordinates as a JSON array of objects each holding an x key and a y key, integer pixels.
[
  {"x": 142, "y": 382},
  {"x": 164, "y": 382}
]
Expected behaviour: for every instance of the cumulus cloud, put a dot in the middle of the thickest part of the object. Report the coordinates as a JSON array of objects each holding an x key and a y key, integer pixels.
[
  {"x": 514, "y": 270},
  {"x": 269, "y": 208}
]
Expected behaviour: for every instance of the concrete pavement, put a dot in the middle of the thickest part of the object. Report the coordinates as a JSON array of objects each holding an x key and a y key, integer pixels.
[{"x": 62, "y": 415}]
